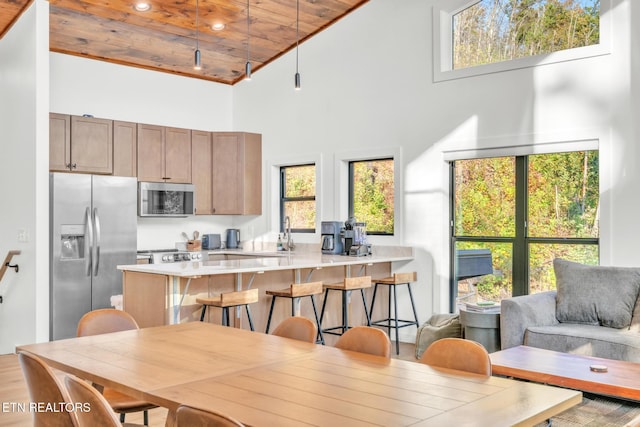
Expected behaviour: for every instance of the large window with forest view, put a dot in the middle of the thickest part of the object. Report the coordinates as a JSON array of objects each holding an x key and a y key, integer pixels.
[
  {"x": 298, "y": 197},
  {"x": 519, "y": 213},
  {"x": 500, "y": 30},
  {"x": 371, "y": 194}
]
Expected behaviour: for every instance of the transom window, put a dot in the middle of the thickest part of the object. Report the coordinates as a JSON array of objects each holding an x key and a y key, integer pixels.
[
  {"x": 371, "y": 194},
  {"x": 298, "y": 197},
  {"x": 476, "y": 37},
  {"x": 511, "y": 216},
  {"x": 500, "y": 30}
]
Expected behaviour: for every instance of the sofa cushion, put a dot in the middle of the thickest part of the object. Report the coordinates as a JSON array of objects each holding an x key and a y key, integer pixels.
[
  {"x": 587, "y": 340},
  {"x": 595, "y": 295}
]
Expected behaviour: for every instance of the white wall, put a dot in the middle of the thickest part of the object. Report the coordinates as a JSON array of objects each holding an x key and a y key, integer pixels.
[
  {"x": 24, "y": 104},
  {"x": 367, "y": 84}
]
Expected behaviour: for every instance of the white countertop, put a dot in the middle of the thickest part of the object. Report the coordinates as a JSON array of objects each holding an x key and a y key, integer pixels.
[{"x": 259, "y": 261}]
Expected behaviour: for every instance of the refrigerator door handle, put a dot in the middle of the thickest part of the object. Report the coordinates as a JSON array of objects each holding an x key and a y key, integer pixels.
[
  {"x": 88, "y": 232},
  {"x": 96, "y": 246}
]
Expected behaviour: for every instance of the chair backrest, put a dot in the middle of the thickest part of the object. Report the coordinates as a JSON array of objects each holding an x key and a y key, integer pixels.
[
  {"x": 459, "y": 354},
  {"x": 95, "y": 410},
  {"x": 298, "y": 328},
  {"x": 44, "y": 388},
  {"x": 104, "y": 321},
  {"x": 186, "y": 416},
  {"x": 304, "y": 289},
  {"x": 365, "y": 339},
  {"x": 357, "y": 282},
  {"x": 248, "y": 296},
  {"x": 405, "y": 277}
]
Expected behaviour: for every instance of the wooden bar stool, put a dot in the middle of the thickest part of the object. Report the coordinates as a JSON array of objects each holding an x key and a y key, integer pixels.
[
  {"x": 349, "y": 284},
  {"x": 393, "y": 283},
  {"x": 230, "y": 299},
  {"x": 295, "y": 292}
]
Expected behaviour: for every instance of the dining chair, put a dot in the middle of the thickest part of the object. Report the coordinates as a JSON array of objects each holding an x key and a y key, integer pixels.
[
  {"x": 104, "y": 321},
  {"x": 459, "y": 354},
  {"x": 187, "y": 416},
  {"x": 95, "y": 410},
  {"x": 365, "y": 339},
  {"x": 45, "y": 389},
  {"x": 297, "y": 327}
]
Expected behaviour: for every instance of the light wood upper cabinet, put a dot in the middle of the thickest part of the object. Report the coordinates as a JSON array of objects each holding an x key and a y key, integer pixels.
[
  {"x": 59, "y": 142},
  {"x": 227, "y": 173},
  {"x": 125, "y": 148},
  {"x": 164, "y": 154},
  {"x": 178, "y": 155},
  {"x": 237, "y": 173},
  {"x": 201, "y": 168},
  {"x": 80, "y": 144}
]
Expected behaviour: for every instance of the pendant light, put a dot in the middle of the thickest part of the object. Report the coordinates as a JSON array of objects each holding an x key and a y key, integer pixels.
[
  {"x": 247, "y": 66},
  {"x": 197, "y": 65},
  {"x": 297, "y": 77}
]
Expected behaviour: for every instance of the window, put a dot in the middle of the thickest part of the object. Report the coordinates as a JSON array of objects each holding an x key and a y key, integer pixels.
[
  {"x": 500, "y": 30},
  {"x": 371, "y": 194},
  {"x": 487, "y": 36},
  {"x": 298, "y": 197},
  {"x": 519, "y": 213}
]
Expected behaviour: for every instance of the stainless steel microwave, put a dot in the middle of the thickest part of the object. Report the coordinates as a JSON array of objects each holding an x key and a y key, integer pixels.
[{"x": 166, "y": 199}]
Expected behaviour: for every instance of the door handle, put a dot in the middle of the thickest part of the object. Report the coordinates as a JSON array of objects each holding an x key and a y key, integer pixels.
[
  {"x": 96, "y": 256},
  {"x": 88, "y": 233}
]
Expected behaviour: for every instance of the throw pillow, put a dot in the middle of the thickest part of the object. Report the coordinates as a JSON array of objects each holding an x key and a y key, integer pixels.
[{"x": 595, "y": 295}]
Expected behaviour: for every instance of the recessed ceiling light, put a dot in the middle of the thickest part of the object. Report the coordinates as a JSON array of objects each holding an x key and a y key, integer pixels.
[
  {"x": 142, "y": 6},
  {"x": 218, "y": 26}
]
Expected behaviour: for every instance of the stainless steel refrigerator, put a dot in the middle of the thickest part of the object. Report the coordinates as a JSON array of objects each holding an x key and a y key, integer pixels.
[{"x": 93, "y": 226}]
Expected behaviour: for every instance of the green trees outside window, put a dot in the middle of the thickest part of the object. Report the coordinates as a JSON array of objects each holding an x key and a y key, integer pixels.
[
  {"x": 298, "y": 197},
  {"x": 526, "y": 210},
  {"x": 500, "y": 30},
  {"x": 371, "y": 194}
]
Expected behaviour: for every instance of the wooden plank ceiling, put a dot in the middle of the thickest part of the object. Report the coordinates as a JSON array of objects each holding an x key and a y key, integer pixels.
[{"x": 164, "y": 38}]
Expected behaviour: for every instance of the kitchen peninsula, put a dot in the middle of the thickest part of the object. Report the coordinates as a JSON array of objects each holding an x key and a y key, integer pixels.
[{"x": 160, "y": 294}]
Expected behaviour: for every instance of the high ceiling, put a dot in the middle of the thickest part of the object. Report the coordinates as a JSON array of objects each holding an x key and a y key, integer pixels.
[{"x": 164, "y": 38}]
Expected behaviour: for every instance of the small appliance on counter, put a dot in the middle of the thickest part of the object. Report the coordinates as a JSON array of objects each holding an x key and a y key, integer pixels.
[
  {"x": 330, "y": 235},
  {"x": 233, "y": 238},
  {"x": 211, "y": 242},
  {"x": 355, "y": 238}
]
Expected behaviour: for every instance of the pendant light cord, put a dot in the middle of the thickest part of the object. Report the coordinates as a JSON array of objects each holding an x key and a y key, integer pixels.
[
  {"x": 297, "y": 31},
  {"x": 197, "y": 33},
  {"x": 248, "y": 30}
]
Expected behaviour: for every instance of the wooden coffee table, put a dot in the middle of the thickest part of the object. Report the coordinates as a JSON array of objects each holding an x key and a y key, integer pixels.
[{"x": 622, "y": 379}]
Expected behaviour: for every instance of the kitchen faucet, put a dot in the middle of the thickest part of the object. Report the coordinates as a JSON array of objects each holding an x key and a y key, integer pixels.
[{"x": 289, "y": 245}]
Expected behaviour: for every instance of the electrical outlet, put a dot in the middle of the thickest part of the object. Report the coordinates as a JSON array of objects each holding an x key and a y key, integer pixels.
[{"x": 23, "y": 235}]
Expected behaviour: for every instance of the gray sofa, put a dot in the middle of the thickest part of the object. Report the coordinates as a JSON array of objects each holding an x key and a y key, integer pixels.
[{"x": 595, "y": 312}]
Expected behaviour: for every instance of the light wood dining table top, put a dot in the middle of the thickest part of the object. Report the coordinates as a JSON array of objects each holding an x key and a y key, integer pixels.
[{"x": 265, "y": 380}]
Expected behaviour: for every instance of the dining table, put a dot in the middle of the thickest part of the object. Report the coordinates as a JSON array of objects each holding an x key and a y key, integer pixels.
[{"x": 267, "y": 380}]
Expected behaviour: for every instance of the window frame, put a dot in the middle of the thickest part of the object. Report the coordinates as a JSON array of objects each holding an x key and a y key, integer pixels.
[
  {"x": 442, "y": 16},
  {"x": 284, "y": 199},
  {"x": 520, "y": 242}
]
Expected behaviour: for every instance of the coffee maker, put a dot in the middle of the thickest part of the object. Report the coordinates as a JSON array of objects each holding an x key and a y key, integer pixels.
[
  {"x": 355, "y": 238},
  {"x": 331, "y": 241}
]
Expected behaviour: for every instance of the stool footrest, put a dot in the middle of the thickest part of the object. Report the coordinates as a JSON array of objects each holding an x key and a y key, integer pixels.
[
  {"x": 392, "y": 323},
  {"x": 330, "y": 331}
]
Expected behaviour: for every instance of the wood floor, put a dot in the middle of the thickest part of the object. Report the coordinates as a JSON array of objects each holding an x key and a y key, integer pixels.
[{"x": 13, "y": 391}]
